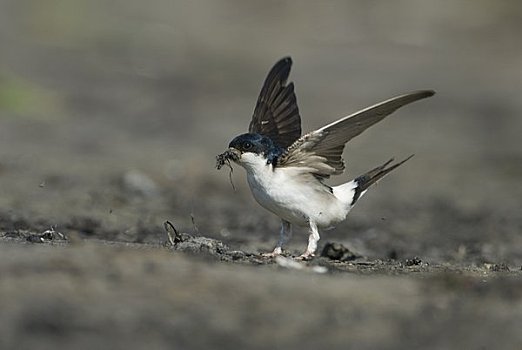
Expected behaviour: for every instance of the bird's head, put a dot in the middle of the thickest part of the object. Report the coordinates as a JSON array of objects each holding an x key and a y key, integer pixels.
[{"x": 252, "y": 149}]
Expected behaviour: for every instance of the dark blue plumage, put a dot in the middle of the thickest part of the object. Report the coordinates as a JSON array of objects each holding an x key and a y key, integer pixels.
[{"x": 258, "y": 144}]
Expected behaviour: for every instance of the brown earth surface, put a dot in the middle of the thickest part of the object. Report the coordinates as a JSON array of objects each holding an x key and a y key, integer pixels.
[{"x": 111, "y": 115}]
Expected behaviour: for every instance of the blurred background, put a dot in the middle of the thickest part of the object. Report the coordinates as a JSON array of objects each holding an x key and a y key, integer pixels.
[{"x": 112, "y": 112}]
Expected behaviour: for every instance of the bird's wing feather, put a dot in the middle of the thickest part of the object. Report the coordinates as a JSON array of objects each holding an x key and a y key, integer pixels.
[
  {"x": 321, "y": 150},
  {"x": 276, "y": 114}
]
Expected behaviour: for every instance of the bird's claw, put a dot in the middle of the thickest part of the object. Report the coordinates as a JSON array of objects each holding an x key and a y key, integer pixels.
[
  {"x": 276, "y": 252},
  {"x": 305, "y": 256}
]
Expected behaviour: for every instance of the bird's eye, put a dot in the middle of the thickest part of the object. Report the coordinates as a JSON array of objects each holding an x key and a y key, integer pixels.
[{"x": 247, "y": 145}]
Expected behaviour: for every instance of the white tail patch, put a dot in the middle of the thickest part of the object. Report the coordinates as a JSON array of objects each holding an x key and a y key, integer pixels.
[{"x": 345, "y": 192}]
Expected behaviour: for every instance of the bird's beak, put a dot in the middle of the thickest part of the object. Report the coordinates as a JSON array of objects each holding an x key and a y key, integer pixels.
[
  {"x": 234, "y": 154},
  {"x": 227, "y": 156}
]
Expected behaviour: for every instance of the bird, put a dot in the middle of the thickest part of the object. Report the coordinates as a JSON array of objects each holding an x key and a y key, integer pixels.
[{"x": 287, "y": 171}]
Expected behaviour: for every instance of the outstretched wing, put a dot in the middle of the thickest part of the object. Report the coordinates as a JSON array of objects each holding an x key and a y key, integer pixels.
[
  {"x": 321, "y": 150},
  {"x": 276, "y": 114}
]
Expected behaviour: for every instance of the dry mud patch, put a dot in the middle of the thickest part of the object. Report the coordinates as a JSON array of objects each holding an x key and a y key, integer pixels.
[{"x": 199, "y": 293}]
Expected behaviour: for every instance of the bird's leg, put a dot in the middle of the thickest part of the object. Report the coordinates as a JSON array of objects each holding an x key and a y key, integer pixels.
[
  {"x": 313, "y": 238},
  {"x": 284, "y": 236}
]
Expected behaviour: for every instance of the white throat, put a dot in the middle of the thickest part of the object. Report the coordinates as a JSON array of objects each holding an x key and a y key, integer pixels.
[{"x": 254, "y": 164}]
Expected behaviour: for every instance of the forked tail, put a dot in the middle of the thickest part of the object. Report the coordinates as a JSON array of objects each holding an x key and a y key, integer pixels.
[{"x": 364, "y": 181}]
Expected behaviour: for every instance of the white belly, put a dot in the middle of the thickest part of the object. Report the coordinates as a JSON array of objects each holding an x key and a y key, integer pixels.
[{"x": 295, "y": 197}]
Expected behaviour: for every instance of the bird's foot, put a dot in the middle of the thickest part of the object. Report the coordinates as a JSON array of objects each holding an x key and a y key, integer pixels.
[
  {"x": 277, "y": 252},
  {"x": 305, "y": 256}
]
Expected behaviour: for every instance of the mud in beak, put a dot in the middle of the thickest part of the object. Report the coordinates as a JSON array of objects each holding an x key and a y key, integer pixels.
[{"x": 225, "y": 157}]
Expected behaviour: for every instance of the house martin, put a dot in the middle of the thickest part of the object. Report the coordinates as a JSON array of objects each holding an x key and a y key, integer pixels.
[{"x": 286, "y": 171}]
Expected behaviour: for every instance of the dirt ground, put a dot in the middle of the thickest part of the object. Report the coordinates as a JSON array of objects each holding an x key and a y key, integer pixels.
[{"x": 111, "y": 114}]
